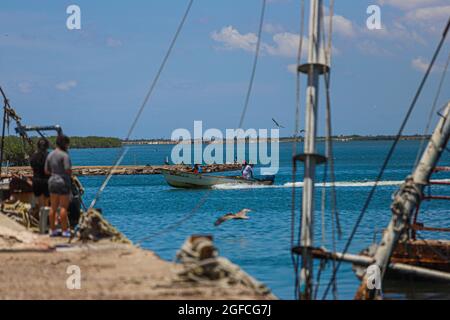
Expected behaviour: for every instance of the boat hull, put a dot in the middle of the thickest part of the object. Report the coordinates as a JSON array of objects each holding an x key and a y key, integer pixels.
[{"x": 187, "y": 180}]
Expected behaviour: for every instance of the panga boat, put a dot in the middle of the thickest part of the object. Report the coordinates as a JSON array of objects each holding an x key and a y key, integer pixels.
[{"x": 191, "y": 180}]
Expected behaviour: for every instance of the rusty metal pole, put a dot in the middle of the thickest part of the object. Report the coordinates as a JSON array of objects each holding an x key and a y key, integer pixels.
[{"x": 408, "y": 198}]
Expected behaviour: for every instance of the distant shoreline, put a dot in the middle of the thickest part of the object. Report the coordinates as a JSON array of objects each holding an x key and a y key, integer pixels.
[{"x": 281, "y": 140}]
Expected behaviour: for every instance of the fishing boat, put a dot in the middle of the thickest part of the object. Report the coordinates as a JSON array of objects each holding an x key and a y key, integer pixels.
[{"x": 189, "y": 180}]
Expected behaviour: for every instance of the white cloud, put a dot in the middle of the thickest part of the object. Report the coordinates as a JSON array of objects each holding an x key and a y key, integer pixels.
[
  {"x": 66, "y": 85},
  {"x": 429, "y": 14},
  {"x": 410, "y": 4},
  {"x": 396, "y": 31},
  {"x": 231, "y": 38},
  {"x": 422, "y": 16},
  {"x": 421, "y": 64},
  {"x": 285, "y": 45},
  {"x": 341, "y": 26}
]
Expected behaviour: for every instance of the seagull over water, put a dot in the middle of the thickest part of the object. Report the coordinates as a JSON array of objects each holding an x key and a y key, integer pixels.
[
  {"x": 241, "y": 215},
  {"x": 277, "y": 124}
]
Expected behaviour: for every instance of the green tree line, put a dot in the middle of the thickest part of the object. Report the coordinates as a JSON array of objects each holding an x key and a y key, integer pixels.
[
  {"x": 91, "y": 142},
  {"x": 16, "y": 151}
]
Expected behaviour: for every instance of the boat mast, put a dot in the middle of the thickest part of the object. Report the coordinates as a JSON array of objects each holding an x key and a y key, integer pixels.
[
  {"x": 313, "y": 69},
  {"x": 2, "y": 146},
  {"x": 407, "y": 199}
]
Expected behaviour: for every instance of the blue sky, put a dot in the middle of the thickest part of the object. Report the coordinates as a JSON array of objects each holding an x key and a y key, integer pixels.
[{"x": 92, "y": 81}]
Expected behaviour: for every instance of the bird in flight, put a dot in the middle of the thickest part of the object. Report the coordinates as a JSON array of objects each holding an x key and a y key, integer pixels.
[
  {"x": 241, "y": 215},
  {"x": 277, "y": 124}
]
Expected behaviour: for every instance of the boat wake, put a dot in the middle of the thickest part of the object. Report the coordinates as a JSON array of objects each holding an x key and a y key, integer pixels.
[
  {"x": 348, "y": 184},
  {"x": 338, "y": 184},
  {"x": 236, "y": 186}
]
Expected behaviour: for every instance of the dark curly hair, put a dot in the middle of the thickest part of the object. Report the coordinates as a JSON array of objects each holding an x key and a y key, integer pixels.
[
  {"x": 43, "y": 144},
  {"x": 62, "y": 141}
]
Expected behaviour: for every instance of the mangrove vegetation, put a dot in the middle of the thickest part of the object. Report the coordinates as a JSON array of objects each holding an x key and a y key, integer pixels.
[{"x": 16, "y": 151}]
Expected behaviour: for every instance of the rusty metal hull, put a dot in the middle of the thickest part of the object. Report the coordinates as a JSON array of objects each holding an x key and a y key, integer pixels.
[{"x": 431, "y": 254}]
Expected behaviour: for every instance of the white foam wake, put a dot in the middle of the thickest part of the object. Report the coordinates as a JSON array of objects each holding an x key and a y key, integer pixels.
[
  {"x": 347, "y": 184},
  {"x": 338, "y": 184},
  {"x": 235, "y": 186}
]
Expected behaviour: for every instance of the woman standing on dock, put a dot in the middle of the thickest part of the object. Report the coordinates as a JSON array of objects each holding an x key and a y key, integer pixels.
[
  {"x": 58, "y": 164},
  {"x": 40, "y": 178}
]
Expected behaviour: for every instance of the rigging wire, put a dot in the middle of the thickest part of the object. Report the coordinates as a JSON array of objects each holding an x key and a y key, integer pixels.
[
  {"x": 327, "y": 62},
  {"x": 205, "y": 197},
  {"x": 144, "y": 103},
  {"x": 433, "y": 109},
  {"x": 255, "y": 63},
  {"x": 330, "y": 148},
  {"x": 335, "y": 222},
  {"x": 390, "y": 153},
  {"x": 294, "y": 257}
]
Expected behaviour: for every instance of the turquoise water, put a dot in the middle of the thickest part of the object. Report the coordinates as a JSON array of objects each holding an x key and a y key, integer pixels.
[{"x": 142, "y": 206}]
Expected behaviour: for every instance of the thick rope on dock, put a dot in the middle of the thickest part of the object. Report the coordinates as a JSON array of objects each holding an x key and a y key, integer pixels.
[
  {"x": 202, "y": 264},
  {"x": 21, "y": 212},
  {"x": 93, "y": 226}
]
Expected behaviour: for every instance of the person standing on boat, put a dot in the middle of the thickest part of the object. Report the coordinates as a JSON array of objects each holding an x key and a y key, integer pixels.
[
  {"x": 197, "y": 169},
  {"x": 40, "y": 178},
  {"x": 58, "y": 164},
  {"x": 248, "y": 172},
  {"x": 244, "y": 165}
]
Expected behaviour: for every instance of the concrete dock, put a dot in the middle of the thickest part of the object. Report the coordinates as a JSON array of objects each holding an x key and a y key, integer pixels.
[{"x": 125, "y": 170}]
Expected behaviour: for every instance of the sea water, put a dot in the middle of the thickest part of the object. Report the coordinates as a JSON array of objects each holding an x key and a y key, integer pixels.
[{"x": 160, "y": 218}]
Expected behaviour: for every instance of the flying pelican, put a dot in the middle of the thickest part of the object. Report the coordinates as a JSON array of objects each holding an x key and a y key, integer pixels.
[
  {"x": 241, "y": 215},
  {"x": 277, "y": 124}
]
